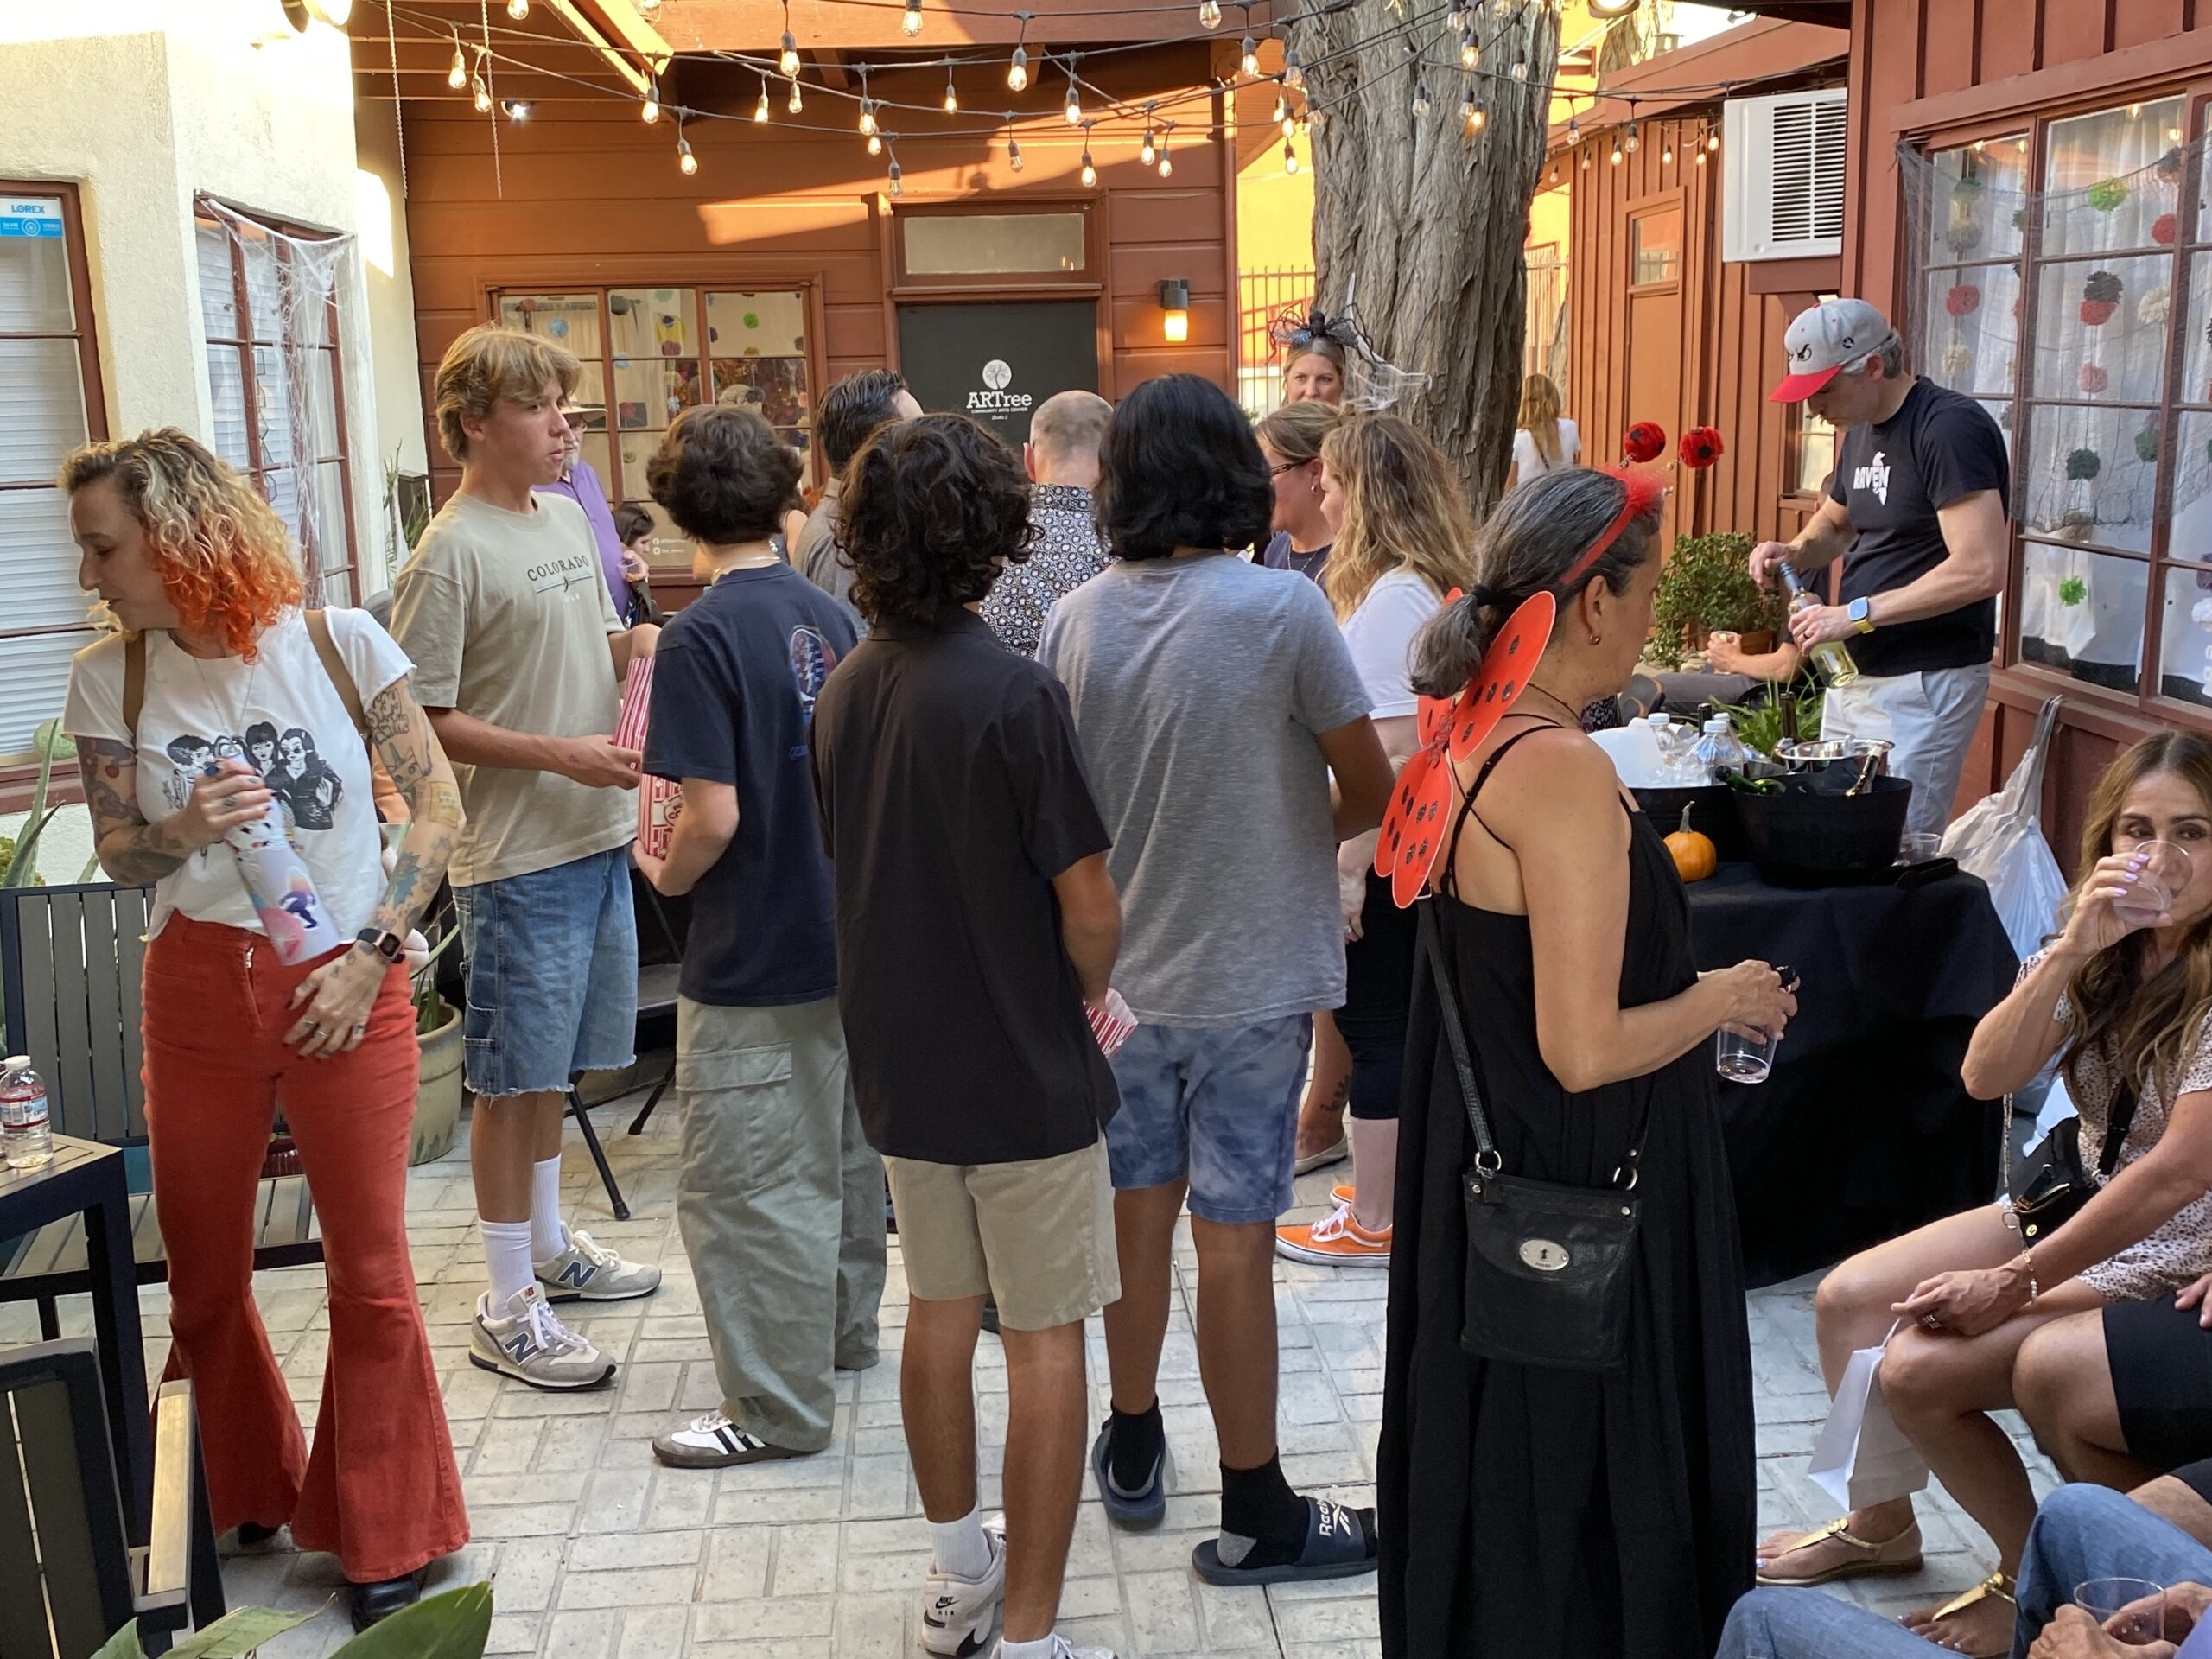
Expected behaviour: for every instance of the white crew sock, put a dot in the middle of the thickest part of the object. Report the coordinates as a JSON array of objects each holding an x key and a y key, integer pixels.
[
  {"x": 545, "y": 1239},
  {"x": 961, "y": 1548},
  {"x": 1045, "y": 1647},
  {"x": 507, "y": 1253}
]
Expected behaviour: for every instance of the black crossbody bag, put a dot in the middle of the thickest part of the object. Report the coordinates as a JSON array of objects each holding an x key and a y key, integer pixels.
[
  {"x": 1547, "y": 1277},
  {"x": 2050, "y": 1188}
]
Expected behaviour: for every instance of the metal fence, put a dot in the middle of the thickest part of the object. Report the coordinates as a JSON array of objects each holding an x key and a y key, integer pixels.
[
  {"x": 1543, "y": 349},
  {"x": 1262, "y": 297}
]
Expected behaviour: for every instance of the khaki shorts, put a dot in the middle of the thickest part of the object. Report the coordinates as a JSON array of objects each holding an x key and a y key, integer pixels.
[{"x": 1039, "y": 1235}]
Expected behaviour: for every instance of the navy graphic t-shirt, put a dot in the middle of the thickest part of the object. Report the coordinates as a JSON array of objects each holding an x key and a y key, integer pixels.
[
  {"x": 734, "y": 688},
  {"x": 1892, "y": 479}
]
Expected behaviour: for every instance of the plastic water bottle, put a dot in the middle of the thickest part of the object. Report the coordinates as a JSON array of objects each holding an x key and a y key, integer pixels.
[
  {"x": 280, "y": 887},
  {"x": 26, "y": 1137},
  {"x": 1719, "y": 750},
  {"x": 1674, "y": 742}
]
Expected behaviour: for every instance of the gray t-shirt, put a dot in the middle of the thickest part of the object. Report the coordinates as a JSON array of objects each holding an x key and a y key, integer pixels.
[{"x": 1198, "y": 686}]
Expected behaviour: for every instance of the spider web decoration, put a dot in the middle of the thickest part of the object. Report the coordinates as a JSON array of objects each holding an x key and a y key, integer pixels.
[{"x": 1372, "y": 383}]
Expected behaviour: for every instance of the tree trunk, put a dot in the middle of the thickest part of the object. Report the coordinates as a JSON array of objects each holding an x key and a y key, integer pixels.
[{"x": 1418, "y": 225}]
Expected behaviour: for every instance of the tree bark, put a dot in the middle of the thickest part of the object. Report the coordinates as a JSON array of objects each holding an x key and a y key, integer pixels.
[{"x": 1419, "y": 226}]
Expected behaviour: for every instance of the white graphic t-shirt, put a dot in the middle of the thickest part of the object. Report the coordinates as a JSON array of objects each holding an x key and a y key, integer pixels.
[{"x": 281, "y": 713}]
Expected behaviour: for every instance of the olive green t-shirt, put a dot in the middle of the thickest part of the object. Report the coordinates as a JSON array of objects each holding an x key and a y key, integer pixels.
[{"x": 506, "y": 617}]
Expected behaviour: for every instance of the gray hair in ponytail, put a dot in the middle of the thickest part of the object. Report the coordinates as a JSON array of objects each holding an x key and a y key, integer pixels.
[{"x": 1527, "y": 546}]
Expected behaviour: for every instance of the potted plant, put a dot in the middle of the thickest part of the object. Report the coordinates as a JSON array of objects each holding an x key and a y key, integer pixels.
[
  {"x": 455, "y": 1625},
  {"x": 1707, "y": 587},
  {"x": 437, "y": 1033}
]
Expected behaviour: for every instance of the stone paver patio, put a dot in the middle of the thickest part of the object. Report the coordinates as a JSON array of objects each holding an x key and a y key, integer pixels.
[{"x": 596, "y": 1552}]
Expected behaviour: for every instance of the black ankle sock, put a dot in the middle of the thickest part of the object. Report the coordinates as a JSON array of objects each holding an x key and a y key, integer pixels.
[
  {"x": 1258, "y": 1505},
  {"x": 1133, "y": 1447}
]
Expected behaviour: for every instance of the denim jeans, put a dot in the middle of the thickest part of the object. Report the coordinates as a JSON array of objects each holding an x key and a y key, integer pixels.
[
  {"x": 2089, "y": 1532},
  {"x": 1811, "y": 1624}
]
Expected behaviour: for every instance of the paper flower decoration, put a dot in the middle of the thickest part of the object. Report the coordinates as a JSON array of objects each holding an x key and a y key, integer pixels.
[
  {"x": 1701, "y": 446},
  {"x": 2107, "y": 194},
  {"x": 2083, "y": 463},
  {"x": 2073, "y": 591},
  {"x": 2099, "y": 298},
  {"x": 2093, "y": 380},
  {"x": 2169, "y": 164},
  {"x": 1645, "y": 442},
  {"x": 1958, "y": 358},
  {"x": 2147, "y": 444},
  {"x": 1963, "y": 300},
  {"x": 2152, "y": 310},
  {"x": 2162, "y": 230}
]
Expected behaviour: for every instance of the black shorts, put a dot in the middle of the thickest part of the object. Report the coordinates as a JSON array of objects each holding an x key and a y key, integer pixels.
[
  {"x": 2161, "y": 1361},
  {"x": 1378, "y": 996}
]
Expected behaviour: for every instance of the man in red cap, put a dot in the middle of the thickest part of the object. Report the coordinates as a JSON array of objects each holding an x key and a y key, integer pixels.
[{"x": 1917, "y": 511}]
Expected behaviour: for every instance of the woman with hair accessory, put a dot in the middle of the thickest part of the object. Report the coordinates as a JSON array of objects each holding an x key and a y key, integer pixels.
[
  {"x": 1545, "y": 1509},
  {"x": 194, "y": 566},
  {"x": 1544, "y": 440},
  {"x": 1290, "y": 443},
  {"x": 1314, "y": 358},
  {"x": 1980, "y": 1305},
  {"x": 1404, "y": 541}
]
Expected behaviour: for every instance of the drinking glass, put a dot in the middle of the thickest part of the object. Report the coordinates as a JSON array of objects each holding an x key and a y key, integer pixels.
[
  {"x": 1917, "y": 847},
  {"x": 2143, "y": 1603},
  {"x": 1743, "y": 1056},
  {"x": 2161, "y": 871}
]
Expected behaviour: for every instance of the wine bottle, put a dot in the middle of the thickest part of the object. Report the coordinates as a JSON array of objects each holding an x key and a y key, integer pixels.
[{"x": 1830, "y": 658}]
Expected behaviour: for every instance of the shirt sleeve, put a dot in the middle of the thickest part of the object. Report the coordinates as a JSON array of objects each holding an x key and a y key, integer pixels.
[
  {"x": 1961, "y": 453},
  {"x": 1327, "y": 691},
  {"x": 430, "y": 622},
  {"x": 1061, "y": 823},
  {"x": 93, "y": 704},
  {"x": 1524, "y": 453},
  {"x": 372, "y": 656},
  {"x": 1380, "y": 636},
  {"x": 692, "y": 727}
]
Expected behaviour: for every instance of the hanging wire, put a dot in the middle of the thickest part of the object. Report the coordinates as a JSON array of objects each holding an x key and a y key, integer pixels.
[{"x": 398, "y": 103}]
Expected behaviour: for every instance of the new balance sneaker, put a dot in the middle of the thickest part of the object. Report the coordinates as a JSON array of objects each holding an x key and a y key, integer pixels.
[
  {"x": 528, "y": 1343},
  {"x": 957, "y": 1613},
  {"x": 1064, "y": 1648},
  {"x": 583, "y": 1272},
  {"x": 714, "y": 1442},
  {"x": 1336, "y": 1240}
]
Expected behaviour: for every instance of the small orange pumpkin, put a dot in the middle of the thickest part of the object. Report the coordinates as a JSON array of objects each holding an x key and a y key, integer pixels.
[{"x": 1694, "y": 858}]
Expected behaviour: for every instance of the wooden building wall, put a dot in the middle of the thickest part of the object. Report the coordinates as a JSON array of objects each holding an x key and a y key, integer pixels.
[{"x": 583, "y": 192}]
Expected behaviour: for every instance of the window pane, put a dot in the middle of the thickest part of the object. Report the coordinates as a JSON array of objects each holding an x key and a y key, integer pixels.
[
  {"x": 595, "y": 453},
  {"x": 38, "y": 561},
  {"x": 2002, "y": 414},
  {"x": 651, "y": 392},
  {"x": 756, "y": 325},
  {"x": 226, "y": 386},
  {"x": 2195, "y": 385},
  {"x": 332, "y": 554},
  {"x": 321, "y": 404},
  {"x": 41, "y": 407},
  {"x": 1815, "y": 452},
  {"x": 284, "y": 495},
  {"x": 588, "y": 403},
  {"x": 943, "y": 244},
  {"x": 2087, "y": 478},
  {"x": 2185, "y": 636},
  {"x": 1656, "y": 247},
  {"x": 34, "y": 674},
  {"x": 2189, "y": 535},
  {"x": 262, "y": 292},
  {"x": 2109, "y": 176},
  {"x": 33, "y": 267},
  {"x": 2100, "y": 328},
  {"x": 571, "y": 319},
  {"x": 219, "y": 307},
  {"x": 775, "y": 385},
  {"x": 1978, "y": 201},
  {"x": 648, "y": 322},
  {"x": 2083, "y": 613},
  {"x": 271, "y": 392},
  {"x": 1973, "y": 327}
]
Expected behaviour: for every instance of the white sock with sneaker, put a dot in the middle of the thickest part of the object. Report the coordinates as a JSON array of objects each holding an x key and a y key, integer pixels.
[
  {"x": 1045, "y": 1647},
  {"x": 507, "y": 1254},
  {"x": 962, "y": 1549},
  {"x": 545, "y": 1239}
]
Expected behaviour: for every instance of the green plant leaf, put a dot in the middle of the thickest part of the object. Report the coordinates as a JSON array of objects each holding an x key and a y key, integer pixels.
[
  {"x": 22, "y": 868},
  {"x": 238, "y": 1633},
  {"x": 91, "y": 872},
  {"x": 1707, "y": 585},
  {"x": 454, "y": 1625},
  {"x": 124, "y": 1644}
]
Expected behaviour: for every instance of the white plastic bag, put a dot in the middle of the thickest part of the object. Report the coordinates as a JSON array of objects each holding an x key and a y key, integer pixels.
[
  {"x": 1999, "y": 838},
  {"x": 1862, "y": 1456}
]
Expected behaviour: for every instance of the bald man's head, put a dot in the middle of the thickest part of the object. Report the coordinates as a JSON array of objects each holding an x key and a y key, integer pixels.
[{"x": 1065, "y": 434}]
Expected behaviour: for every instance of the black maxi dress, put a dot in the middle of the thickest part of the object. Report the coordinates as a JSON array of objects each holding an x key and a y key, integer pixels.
[{"x": 1527, "y": 1512}]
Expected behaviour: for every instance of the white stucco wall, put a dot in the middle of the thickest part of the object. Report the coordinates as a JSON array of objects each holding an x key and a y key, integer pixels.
[{"x": 381, "y": 215}]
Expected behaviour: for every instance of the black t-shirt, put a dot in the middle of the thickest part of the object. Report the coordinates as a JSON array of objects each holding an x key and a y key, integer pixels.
[
  {"x": 734, "y": 683},
  {"x": 1892, "y": 479},
  {"x": 952, "y": 793}
]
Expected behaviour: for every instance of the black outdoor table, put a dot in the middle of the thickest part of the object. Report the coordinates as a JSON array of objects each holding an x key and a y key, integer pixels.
[
  {"x": 86, "y": 1178},
  {"x": 1862, "y": 1131}
]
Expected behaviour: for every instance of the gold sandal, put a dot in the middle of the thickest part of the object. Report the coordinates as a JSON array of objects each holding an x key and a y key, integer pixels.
[
  {"x": 1892, "y": 1555},
  {"x": 1996, "y": 1586}
]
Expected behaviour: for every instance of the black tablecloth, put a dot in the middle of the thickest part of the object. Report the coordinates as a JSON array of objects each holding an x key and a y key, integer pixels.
[{"x": 1862, "y": 1131}]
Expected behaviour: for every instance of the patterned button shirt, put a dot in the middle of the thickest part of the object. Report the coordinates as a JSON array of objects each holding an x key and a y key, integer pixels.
[{"x": 1066, "y": 554}]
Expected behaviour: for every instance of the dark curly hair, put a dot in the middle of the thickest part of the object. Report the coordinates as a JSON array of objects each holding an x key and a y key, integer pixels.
[
  {"x": 630, "y": 521},
  {"x": 851, "y": 410},
  {"x": 928, "y": 510},
  {"x": 1181, "y": 469},
  {"x": 723, "y": 476}
]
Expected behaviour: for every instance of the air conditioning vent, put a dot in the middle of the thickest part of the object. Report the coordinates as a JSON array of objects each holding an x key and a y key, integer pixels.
[{"x": 1782, "y": 193}]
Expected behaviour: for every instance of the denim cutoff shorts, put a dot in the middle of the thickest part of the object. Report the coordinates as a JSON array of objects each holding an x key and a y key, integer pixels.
[{"x": 1218, "y": 1105}]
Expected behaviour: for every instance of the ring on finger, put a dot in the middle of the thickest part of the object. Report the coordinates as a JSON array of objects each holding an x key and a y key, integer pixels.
[{"x": 1931, "y": 1321}]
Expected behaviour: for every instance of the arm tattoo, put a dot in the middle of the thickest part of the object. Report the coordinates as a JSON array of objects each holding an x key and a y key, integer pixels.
[
  {"x": 410, "y": 751},
  {"x": 130, "y": 850}
]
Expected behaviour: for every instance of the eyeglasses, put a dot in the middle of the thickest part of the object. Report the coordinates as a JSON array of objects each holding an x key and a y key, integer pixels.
[{"x": 1285, "y": 466}]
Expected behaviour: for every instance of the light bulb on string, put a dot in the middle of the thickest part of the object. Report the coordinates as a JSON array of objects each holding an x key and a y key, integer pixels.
[
  {"x": 518, "y": 9},
  {"x": 1013, "y": 153},
  {"x": 514, "y": 109},
  {"x": 1421, "y": 96},
  {"x": 951, "y": 97},
  {"x": 1713, "y": 138},
  {"x": 457, "y": 76},
  {"x": 1289, "y": 123},
  {"x": 1248, "y": 59},
  {"x": 1666, "y": 154},
  {"x": 1147, "y": 152},
  {"x": 686, "y": 163},
  {"x": 1282, "y": 110},
  {"x": 875, "y": 144},
  {"x": 1585, "y": 160},
  {"x": 1574, "y": 129},
  {"x": 1616, "y": 157},
  {"x": 1699, "y": 157},
  {"x": 1017, "y": 70},
  {"x": 1519, "y": 63},
  {"x": 867, "y": 121},
  {"x": 1471, "y": 52},
  {"x": 1289, "y": 156},
  {"x": 649, "y": 111},
  {"x": 787, "y": 58},
  {"x": 1632, "y": 142},
  {"x": 479, "y": 93},
  {"x": 911, "y": 24},
  {"x": 1074, "y": 110},
  {"x": 1090, "y": 174},
  {"x": 761, "y": 109},
  {"x": 897, "y": 180},
  {"x": 1454, "y": 20},
  {"x": 1166, "y": 161},
  {"x": 1293, "y": 72},
  {"x": 1210, "y": 13},
  {"x": 795, "y": 102},
  {"x": 1474, "y": 117}
]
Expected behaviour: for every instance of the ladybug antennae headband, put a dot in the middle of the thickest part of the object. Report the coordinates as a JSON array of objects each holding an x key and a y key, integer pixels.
[{"x": 1645, "y": 488}]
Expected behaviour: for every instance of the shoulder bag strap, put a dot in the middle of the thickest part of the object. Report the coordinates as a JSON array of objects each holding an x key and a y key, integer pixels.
[
  {"x": 1486, "y": 1154},
  {"x": 341, "y": 677},
  {"x": 2121, "y": 1120},
  {"x": 134, "y": 683}
]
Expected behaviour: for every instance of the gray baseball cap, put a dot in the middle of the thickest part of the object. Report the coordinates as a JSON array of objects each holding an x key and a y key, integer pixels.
[{"x": 1822, "y": 340}]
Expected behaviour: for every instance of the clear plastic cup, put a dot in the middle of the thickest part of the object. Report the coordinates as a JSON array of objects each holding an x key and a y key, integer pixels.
[
  {"x": 2162, "y": 872},
  {"x": 1917, "y": 847},
  {"x": 2133, "y": 1610},
  {"x": 1743, "y": 1056}
]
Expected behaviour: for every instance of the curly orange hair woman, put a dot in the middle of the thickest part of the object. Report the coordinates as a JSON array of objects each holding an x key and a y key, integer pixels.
[{"x": 214, "y": 651}]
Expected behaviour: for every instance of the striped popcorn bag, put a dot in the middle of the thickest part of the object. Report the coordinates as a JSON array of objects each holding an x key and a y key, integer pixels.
[{"x": 659, "y": 798}]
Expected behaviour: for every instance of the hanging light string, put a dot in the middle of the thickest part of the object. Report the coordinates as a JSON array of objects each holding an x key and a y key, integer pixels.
[{"x": 483, "y": 90}]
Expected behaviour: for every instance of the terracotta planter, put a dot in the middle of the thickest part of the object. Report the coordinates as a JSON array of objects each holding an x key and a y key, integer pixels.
[
  {"x": 1758, "y": 643},
  {"x": 437, "y": 1101}
]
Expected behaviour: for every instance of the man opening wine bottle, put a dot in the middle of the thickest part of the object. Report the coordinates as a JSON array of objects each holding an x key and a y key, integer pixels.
[{"x": 1917, "y": 511}]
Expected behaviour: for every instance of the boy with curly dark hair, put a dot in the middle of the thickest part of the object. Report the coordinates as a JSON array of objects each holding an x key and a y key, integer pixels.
[{"x": 976, "y": 921}]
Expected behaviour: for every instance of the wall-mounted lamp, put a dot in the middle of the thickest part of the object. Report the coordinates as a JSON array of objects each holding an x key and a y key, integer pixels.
[{"x": 1175, "y": 305}]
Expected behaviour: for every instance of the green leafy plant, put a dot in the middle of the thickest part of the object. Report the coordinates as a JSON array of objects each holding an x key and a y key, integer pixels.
[
  {"x": 456, "y": 1625},
  {"x": 19, "y": 862},
  {"x": 1758, "y": 722},
  {"x": 1706, "y": 587},
  {"x": 2073, "y": 590}
]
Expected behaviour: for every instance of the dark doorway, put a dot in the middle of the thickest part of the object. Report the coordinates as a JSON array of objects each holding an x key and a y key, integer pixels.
[{"x": 998, "y": 361}]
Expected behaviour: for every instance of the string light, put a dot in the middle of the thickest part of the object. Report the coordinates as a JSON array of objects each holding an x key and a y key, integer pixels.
[
  {"x": 867, "y": 123},
  {"x": 1283, "y": 111},
  {"x": 514, "y": 109},
  {"x": 457, "y": 77},
  {"x": 1166, "y": 161},
  {"x": 1293, "y": 72},
  {"x": 479, "y": 93},
  {"x": 686, "y": 163},
  {"x": 1075, "y": 97},
  {"x": 1519, "y": 63},
  {"x": 897, "y": 180},
  {"x": 1089, "y": 174},
  {"x": 1251, "y": 58},
  {"x": 787, "y": 60},
  {"x": 1013, "y": 150},
  {"x": 1421, "y": 96},
  {"x": 761, "y": 109},
  {"x": 1470, "y": 54},
  {"x": 649, "y": 111},
  {"x": 1288, "y": 124},
  {"x": 875, "y": 144},
  {"x": 1149, "y": 152},
  {"x": 911, "y": 24},
  {"x": 1210, "y": 13},
  {"x": 795, "y": 103},
  {"x": 1666, "y": 154},
  {"x": 1712, "y": 138},
  {"x": 1455, "y": 21},
  {"x": 518, "y": 9},
  {"x": 1472, "y": 115},
  {"x": 1632, "y": 143},
  {"x": 1617, "y": 152},
  {"x": 1289, "y": 156},
  {"x": 951, "y": 97},
  {"x": 1574, "y": 129},
  {"x": 1017, "y": 68},
  {"x": 1585, "y": 160}
]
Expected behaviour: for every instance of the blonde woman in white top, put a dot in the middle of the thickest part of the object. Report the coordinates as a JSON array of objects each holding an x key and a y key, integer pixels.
[{"x": 1544, "y": 441}]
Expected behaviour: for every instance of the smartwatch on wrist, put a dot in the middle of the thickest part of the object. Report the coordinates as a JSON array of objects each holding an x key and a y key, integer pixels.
[
  {"x": 383, "y": 942},
  {"x": 1861, "y": 613}
]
